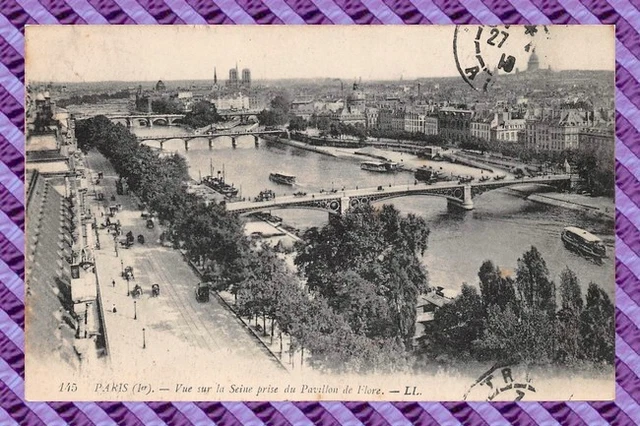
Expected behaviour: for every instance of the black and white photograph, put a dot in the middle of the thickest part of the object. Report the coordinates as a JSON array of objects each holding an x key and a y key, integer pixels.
[{"x": 250, "y": 213}]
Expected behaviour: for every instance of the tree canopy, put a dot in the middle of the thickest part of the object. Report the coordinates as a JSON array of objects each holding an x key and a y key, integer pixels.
[{"x": 376, "y": 253}]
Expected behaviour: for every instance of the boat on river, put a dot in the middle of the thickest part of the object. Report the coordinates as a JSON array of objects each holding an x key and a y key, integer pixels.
[
  {"x": 378, "y": 166},
  {"x": 424, "y": 174},
  {"x": 584, "y": 242},
  {"x": 220, "y": 186},
  {"x": 430, "y": 175},
  {"x": 282, "y": 178}
]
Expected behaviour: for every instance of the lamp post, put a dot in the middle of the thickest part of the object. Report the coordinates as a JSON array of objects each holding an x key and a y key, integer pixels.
[
  {"x": 135, "y": 312},
  {"x": 128, "y": 291},
  {"x": 144, "y": 341},
  {"x": 121, "y": 266}
]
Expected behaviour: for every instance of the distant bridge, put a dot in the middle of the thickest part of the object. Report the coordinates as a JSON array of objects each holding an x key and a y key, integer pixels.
[
  {"x": 337, "y": 203},
  {"x": 233, "y": 134},
  {"x": 147, "y": 120},
  {"x": 150, "y": 119}
]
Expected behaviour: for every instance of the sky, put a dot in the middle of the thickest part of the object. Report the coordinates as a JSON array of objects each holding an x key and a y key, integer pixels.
[{"x": 149, "y": 53}]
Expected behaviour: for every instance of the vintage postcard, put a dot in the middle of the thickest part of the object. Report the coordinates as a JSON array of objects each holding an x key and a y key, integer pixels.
[{"x": 320, "y": 213}]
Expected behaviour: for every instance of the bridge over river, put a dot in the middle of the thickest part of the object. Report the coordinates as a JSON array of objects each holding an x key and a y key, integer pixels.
[
  {"x": 337, "y": 203},
  {"x": 210, "y": 136}
]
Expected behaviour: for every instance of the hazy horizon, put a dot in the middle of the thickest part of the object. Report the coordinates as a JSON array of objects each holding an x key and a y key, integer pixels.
[{"x": 275, "y": 79}]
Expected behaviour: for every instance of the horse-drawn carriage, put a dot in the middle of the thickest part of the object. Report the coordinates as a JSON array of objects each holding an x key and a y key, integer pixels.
[
  {"x": 137, "y": 291},
  {"x": 141, "y": 239},
  {"x": 202, "y": 292},
  {"x": 128, "y": 273},
  {"x": 155, "y": 290}
]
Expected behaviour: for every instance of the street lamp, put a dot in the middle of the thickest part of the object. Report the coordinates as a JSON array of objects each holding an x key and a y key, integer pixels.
[
  {"x": 144, "y": 341},
  {"x": 135, "y": 312},
  {"x": 121, "y": 266},
  {"x": 128, "y": 291}
]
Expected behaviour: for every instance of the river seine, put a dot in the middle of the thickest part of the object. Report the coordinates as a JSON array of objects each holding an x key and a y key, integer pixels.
[{"x": 501, "y": 227}]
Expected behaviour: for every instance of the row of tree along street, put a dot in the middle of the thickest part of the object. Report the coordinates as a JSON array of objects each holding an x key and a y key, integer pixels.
[{"x": 352, "y": 305}]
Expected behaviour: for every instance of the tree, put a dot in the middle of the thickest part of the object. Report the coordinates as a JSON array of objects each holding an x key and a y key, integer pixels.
[
  {"x": 375, "y": 252},
  {"x": 494, "y": 287},
  {"x": 570, "y": 293},
  {"x": 525, "y": 329},
  {"x": 298, "y": 123},
  {"x": 568, "y": 324},
  {"x": 457, "y": 326},
  {"x": 281, "y": 103},
  {"x": 515, "y": 337},
  {"x": 535, "y": 290},
  {"x": 203, "y": 113},
  {"x": 165, "y": 106},
  {"x": 597, "y": 328}
]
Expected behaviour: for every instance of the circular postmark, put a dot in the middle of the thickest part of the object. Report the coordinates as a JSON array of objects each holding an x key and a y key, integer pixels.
[
  {"x": 502, "y": 383},
  {"x": 483, "y": 51}
]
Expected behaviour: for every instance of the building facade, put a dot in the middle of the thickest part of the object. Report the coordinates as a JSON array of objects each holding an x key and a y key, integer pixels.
[
  {"x": 557, "y": 131},
  {"x": 504, "y": 128},
  {"x": 455, "y": 124}
]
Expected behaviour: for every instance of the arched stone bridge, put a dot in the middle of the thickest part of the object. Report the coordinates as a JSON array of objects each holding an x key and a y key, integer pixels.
[
  {"x": 147, "y": 120},
  {"x": 459, "y": 195},
  {"x": 233, "y": 134}
]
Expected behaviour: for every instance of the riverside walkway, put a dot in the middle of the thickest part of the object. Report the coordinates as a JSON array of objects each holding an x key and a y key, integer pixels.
[{"x": 180, "y": 335}]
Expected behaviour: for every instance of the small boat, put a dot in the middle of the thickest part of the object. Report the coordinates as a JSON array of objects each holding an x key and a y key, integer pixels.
[
  {"x": 485, "y": 178},
  {"x": 269, "y": 218},
  {"x": 299, "y": 194},
  {"x": 282, "y": 178},
  {"x": 424, "y": 174},
  {"x": 465, "y": 179},
  {"x": 583, "y": 241},
  {"x": 381, "y": 167},
  {"x": 499, "y": 177}
]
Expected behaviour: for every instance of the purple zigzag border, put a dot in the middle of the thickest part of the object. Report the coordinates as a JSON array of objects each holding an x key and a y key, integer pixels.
[{"x": 14, "y": 15}]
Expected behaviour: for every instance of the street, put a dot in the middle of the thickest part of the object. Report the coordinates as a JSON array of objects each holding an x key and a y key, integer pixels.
[{"x": 173, "y": 321}]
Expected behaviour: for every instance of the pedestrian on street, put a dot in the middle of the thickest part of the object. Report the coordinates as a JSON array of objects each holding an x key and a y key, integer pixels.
[
  {"x": 114, "y": 310},
  {"x": 113, "y": 282}
]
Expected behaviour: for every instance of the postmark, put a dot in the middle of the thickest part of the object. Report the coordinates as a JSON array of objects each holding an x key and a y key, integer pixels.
[
  {"x": 481, "y": 52},
  {"x": 502, "y": 383}
]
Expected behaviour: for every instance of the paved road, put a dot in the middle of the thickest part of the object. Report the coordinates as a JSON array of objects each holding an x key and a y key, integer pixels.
[{"x": 174, "y": 319}]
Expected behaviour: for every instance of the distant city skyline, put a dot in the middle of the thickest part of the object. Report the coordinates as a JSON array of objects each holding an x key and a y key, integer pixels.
[{"x": 74, "y": 54}]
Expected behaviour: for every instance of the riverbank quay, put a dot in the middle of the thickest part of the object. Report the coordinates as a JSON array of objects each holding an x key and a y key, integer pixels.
[
  {"x": 597, "y": 207},
  {"x": 409, "y": 162},
  {"x": 454, "y": 158},
  {"x": 174, "y": 323}
]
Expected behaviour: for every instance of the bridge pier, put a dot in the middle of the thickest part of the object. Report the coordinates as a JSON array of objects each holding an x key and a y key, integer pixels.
[
  {"x": 210, "y": 144},
  {"x": 161, "y": 145},
  {"x": 466, "y": 203},
  {"x": 344, "y": 205},
  {"x": 256, "y": 140},
  {"x": 150, "y": 123},
  {"x": 233, "y": 142},
  {"x": 186, "y": 145}
]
